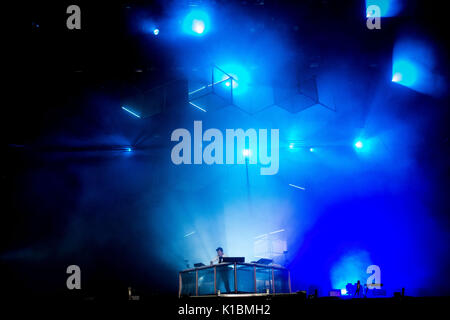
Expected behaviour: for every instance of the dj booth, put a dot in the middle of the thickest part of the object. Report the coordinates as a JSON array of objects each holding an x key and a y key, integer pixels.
[{"x": 234, "y": 278}]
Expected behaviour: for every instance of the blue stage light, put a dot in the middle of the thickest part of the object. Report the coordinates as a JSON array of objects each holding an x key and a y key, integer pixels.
[
  {"x": 350, "y": 268},
  {"x": 149, "y": 26},
  {"x": 291, "y": 146},
  {"x": 127, "y": 109},
  {"x": 414, "y": 65},
  {"x": 197, "y": 106},
  {"x": 235, "y": 75},
  {"x": 297, "y": 187},
  {"x": 228, "y": 83},
  {"x": 311, "y": 150},
  {"x": 388, "y": 8},
  {"x": 359, "y": 144},
  {"x": 129, "y": 149},
  {"x": 246, "y": 153},
  {"x": 196, "y": 22},
  {"x": 405, "y": 72},
  {"x": 198, "y": 26},
  {"x": 397, "y": 77}
]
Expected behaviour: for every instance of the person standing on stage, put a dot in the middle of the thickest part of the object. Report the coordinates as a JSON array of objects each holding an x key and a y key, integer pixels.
[
  {"x": 222, "y": 272},
  {"x": 219, "y": 257},
  {"x": 358, "y": 289}
]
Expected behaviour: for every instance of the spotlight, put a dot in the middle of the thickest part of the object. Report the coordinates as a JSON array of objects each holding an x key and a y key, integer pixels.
[
  {"x": 234, "y": 75},
  {"x": 359, "y": 144},
  {"x": 228, "y": 83},
  {"x": 311, "y": 149},
  {"x": 386, "y": 8},
  {"x": 198, "y": 26},
  {"x": 405, "y": 72},
  {"x": 246, "y": 152},
  {"x": 156, "y": 31},
  {"x": 196, "y": 23},
  {"x": 291, "y": 146},
  {"x": 343, "y": 292},
  {"x": 397, "y": 77},
  {"x": 129, "y": 149}
]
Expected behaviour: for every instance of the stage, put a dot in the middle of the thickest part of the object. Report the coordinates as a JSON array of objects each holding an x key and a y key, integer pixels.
[{"x": 275, "y": 156}]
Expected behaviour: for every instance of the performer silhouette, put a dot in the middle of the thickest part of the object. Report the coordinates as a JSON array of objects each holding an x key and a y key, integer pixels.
[
  {"x": 358, "y": 289},
  {"x": 222, "y": 272}
]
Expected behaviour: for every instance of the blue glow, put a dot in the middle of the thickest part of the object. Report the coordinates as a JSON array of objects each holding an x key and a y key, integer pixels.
[
  {"x": 297, "y": 187},
  {"x": 414, "y": 66},
  {"x": 130, "y": 111},
  {"x": 228, "y": 83},
  {"x": 405, "y": 72},
  {"x": 196, "y": 22},
  {"x": 199, "y": 89},
  {"x": 197, "y": 106},
  {"x": 359, "y": 144},
  {"x": 246, "y": 153},
  {"x": 357, "y": 199},
  {"x": 207, "y": 86},
  {"x": 343, "y": 292},
  {"x": 198, "y": 26},
  {"x": 241, "y": 77},
  {"x": 149, "y": 27},
  {"x": 397, "y": 77},
  {"x": 388, "y": 8},
  {"x": 350, "y": 268},
  {"x": 367, "y": 146}
]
